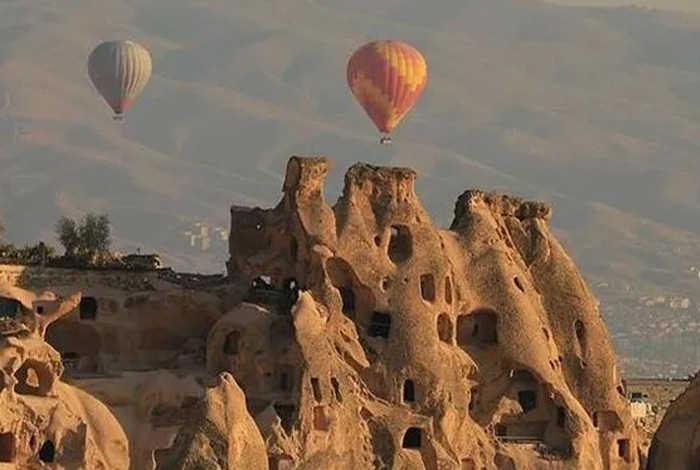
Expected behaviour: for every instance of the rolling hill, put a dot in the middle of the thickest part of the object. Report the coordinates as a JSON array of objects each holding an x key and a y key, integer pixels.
[{"x": 594, "y": 110}]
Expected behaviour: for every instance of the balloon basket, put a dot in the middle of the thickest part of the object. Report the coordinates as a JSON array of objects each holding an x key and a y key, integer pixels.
[
  {"x": 118, "y": 117},
  {"x": 386, "y": 140}
]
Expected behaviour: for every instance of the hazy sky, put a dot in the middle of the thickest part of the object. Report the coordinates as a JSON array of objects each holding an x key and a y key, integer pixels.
[{"x": 684, "y": 5}]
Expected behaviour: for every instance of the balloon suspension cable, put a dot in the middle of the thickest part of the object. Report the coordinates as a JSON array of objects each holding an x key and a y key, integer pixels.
[{"x": 385, "y": 140}]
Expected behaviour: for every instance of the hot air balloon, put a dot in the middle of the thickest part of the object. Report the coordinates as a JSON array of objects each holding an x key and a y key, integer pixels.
[
  {"x": 387, "y": 77},
  {"x": 119, "y": 70}
]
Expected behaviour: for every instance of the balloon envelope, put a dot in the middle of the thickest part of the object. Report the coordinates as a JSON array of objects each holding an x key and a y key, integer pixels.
[
  {"x": 119, "y": 70},
  {"x": 387, "y": 77}
]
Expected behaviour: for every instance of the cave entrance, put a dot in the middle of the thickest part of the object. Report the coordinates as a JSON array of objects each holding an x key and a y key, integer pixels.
[
  {"x": 409, "y": 391},
  {"x": 478, "y": 328},
  {"x": 448, "y": 290},
  {"x": 320, "y": 419},
  {"x": 343, "y": 278},
  {"x": 427, "y": 287},
  {"x": 47, "y": 452},
  {"x": 501, "y": 430},
  {"x": 336, "y": 389},
  {"x": 9, "y": 308},
  {"x": 561, "y": 417},
  {"x": 380, "y": 324},
  {"x": 527, "y": 400},
  {"x": 348, "y": 298},
  {"x": 79, "y": 344},
  {"x": 287, "y": 415},
  {"x": 531, "y": 423},
  {"x": 316, "y": 389},
  {"x": 623, "y": 449},
  {"x": 606, "y": 421},
  {"x": 444, "y": 328},
  {"x": 33, "y": 378},
  {"x": 285, "y": 377},
  {"x": 526, "y": 387},
  {"x": 8, "y": 447},
  {"x": 412, "y": 438},
  {"x": 44, "y": 307},
  {"x": 400, "y": 244},
  {"x": 468, "y": 464},
  {"x": 88, "y": 308},
  {"x": 280, "y": 462},
  {"x": 70, "y": 360}
]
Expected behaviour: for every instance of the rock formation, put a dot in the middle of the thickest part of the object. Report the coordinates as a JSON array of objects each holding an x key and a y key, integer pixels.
[
  {"x": 43, "y": 420},
  {"x": 126, "y": 320},
  {"x": 219, "y": 435},
  {"x": 477, "y": 347},
  {"x": 357, "y": 336},
  {"x": 676, "y": 444}
]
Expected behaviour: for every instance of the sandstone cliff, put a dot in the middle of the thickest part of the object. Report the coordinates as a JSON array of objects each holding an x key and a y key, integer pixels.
[
  {"x": 220, "y": 436},
  {"x": 125, "y": 320},
  {"x": 357, "y": 336},
  {"x": 477, "y": 347},
  {"x": 676, "y": 444},
  {"x": 43, "y": 420}
]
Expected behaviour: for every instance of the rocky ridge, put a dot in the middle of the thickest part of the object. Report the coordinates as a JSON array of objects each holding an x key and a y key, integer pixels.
[{"x": 360, "y": 336}]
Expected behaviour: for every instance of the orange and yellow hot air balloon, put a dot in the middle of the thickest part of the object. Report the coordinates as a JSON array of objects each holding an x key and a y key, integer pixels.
[{"x": 387, "y": 77}]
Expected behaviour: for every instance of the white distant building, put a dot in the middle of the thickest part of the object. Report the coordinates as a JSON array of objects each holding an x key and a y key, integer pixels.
[
  {"x": 640, "y": 410},
  {"x": 202, "y": 235},
  {"x": 640, "y": 407},
  {"x": 223, "y": 233}
]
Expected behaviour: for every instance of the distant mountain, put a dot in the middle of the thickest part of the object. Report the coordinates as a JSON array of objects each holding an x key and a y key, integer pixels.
[
  {"x": 594, "y": 110},
  {"x": 671, "y": 5}
]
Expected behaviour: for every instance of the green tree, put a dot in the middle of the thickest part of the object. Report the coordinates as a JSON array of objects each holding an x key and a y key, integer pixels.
[
  {"x": 89, "y": 241},
  {"x": 33, "y": 255},
  {"x": 68, "y": 236},
  {"x": 95, "y": 236}
]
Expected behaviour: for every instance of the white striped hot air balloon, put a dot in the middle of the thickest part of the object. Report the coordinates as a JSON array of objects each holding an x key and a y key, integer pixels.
[{"x": 119, "y": 70}]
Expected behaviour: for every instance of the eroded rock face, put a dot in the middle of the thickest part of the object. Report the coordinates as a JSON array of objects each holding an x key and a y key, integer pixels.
[
  {"x": 44, "y": 421},
  {"x": 380, "y": 342},
  {"x": 676, "y": 444},
  {"x": 164, "y": 403},
  {"x": 123, "y": 320},
  {"x": 220, "y": 435},
  {"x": 409, "y": 347}
]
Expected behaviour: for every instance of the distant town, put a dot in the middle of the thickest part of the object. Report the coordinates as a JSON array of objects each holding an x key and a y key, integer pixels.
[
  {"x": 655, "y": 335},
  {"x": 200, "y": 235}
]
